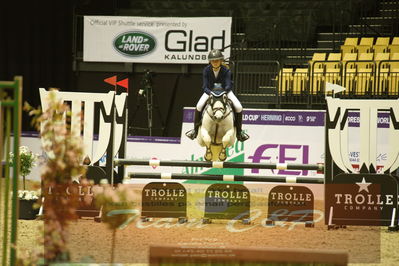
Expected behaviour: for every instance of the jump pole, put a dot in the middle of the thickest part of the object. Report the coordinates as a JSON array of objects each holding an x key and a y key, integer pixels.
[
  {"x": 186, "y": 163},
  {"x": 278, "y": 179}
]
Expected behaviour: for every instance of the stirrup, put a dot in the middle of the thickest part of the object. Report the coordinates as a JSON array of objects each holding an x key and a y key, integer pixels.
[
  {"x": 191, "y": 134},
  {"x": 242, "y": 136}
]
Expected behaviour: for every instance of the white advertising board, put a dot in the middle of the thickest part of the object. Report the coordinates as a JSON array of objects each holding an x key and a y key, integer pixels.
[
  {"x": 277, "y": 136},
  {"x": 154, "y": 39}
]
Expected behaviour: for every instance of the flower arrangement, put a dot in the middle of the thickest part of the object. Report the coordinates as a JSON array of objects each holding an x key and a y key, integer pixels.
[
  {"x": 63, "y": 161},
  {"x": 27, "y": 161},
  {"x": 29, "y": 195}
]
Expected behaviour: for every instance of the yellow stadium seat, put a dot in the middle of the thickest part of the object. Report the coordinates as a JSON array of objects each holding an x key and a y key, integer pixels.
[
  {"x": 317, "y": 57},
  {"x": 368, "y": 57},
  {"x": 349, "y": 71},
  {"x": 349, "y": 57},
  {"x": 381, "y": 45},
  {"x": 382, "y": 41},
  {"x": 285, "y": 81},
  {"x": 380, "y": 60},
  {"x": 333, "y": 68},
  {"x": 364, "y": 73},
  {"x": 381, "y": 72},
  {"x": 394, "y": 74},
  {"x": 365, "y": 45},
  {"x": 394, "y": 46},
  {"x": 379, "y": 49},
  {"x": 351, "y": 41},
  {"x": 316, "y": 71},
  {"x": 349, "y": 45},
  {"x": 395, "y": 40},
  {"x": 367, "y": 41},
  {"x": 393, "y": 49},
  {"x": 394, "y": 57},
  {"x": 300, "y": 80},
  {"x": 336, "y": 57}
]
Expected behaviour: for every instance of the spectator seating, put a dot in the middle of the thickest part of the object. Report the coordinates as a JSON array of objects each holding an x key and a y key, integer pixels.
[
  {"x": 333, "y": 68},
  {"x": 300, "y": 81},
  {"x": 365, "y": 45},
  {"x": 394, "y": 74},
  {"x": 382, "y": 72},
  {"x": 349, "y": 45},
  {"x": 366, "y": 69},
  {"x": 285, "y": 81},
  {"x": 364, "y": 73},
  {"x": 381, "y": 45},
  {"x": 316, "y": 66},
  {"x": 394, "y": 46}
]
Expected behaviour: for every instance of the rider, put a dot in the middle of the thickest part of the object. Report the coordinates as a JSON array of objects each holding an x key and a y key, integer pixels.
[{"x": 216, "y": 75}]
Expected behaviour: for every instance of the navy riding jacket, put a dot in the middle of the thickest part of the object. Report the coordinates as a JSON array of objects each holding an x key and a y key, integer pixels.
[{"x": 209, "y": 80}]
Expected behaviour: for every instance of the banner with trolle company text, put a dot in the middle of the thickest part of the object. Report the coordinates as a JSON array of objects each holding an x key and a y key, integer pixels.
[{"x": 177, "y": 40}]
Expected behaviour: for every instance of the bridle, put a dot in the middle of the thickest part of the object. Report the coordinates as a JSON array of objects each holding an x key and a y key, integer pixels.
[{"x": 212, "y": 100}]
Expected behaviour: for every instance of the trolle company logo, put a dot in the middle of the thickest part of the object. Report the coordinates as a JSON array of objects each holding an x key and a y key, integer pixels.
[
  {"x": 361, "y": 201},
  {"x": 164, "y": 193},
  {"x": 134, "y": 43}
]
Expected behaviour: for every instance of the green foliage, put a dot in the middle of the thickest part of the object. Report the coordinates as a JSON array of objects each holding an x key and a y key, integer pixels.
[
  {"x": 63, "y": 162},
  {"x": 27, "y": 160}
]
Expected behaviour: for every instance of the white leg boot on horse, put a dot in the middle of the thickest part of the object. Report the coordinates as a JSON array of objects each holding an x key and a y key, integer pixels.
[{"x": 241, "y": 135}]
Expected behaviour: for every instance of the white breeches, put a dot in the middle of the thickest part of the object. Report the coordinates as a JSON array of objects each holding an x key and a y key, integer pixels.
[{"x": 236, "y": 103}]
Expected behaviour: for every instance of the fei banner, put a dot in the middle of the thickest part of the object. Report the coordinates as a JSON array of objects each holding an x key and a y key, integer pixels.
[{"x": 154, "y": 39}]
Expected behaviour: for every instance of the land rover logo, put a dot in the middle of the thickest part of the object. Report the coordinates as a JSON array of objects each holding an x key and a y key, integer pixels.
[{"x": 134, "y": 43}]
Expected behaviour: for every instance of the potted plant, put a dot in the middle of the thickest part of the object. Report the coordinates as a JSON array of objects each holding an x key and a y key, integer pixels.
[
  {"x": 64, "y": 154},
  {"x": 28, "y": 207},
  {"x": 27, "y": 162},
  {"x": 27, "y": 198}
]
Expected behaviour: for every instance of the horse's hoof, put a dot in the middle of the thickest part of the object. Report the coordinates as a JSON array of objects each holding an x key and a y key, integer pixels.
[
  {"x": 208, "y": 156},
  {"x": 222, "y": 156}
]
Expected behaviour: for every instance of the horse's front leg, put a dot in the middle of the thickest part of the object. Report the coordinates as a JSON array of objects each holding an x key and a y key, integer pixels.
[
  {"x": 206, "y": 141},
  {"x": 227, "y": 141}
]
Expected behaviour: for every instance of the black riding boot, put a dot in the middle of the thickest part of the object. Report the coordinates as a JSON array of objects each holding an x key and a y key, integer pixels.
[
  {"x": 241, "y": 135},
  {"x": 192, "y": 134}
]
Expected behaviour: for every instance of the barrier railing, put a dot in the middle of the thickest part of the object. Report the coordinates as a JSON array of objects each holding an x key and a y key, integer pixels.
[
  {"x": 255, "y": 82},
  {"x": 10, "y": 132},
  {"x": 217, "y": 164},
  {"x": 239, "y": 178}
]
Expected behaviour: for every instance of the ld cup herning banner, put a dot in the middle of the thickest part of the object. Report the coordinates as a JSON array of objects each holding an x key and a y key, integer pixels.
[{"x": 154, "y": 39}]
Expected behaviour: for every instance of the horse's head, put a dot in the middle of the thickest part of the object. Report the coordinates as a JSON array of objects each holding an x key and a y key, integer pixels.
[{"x": 218, "y": 103}]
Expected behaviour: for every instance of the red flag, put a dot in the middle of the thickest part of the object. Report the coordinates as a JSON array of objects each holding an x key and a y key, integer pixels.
[
  {"x": 124, "y": 83},
  {"x": 111, "y": 80}
]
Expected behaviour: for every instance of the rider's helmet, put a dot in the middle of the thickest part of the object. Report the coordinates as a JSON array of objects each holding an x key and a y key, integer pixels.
[{"x": 215, "y": 54}]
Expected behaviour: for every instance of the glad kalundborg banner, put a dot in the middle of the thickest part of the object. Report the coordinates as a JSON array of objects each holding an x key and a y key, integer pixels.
[{"x": 154, "y": 39}]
